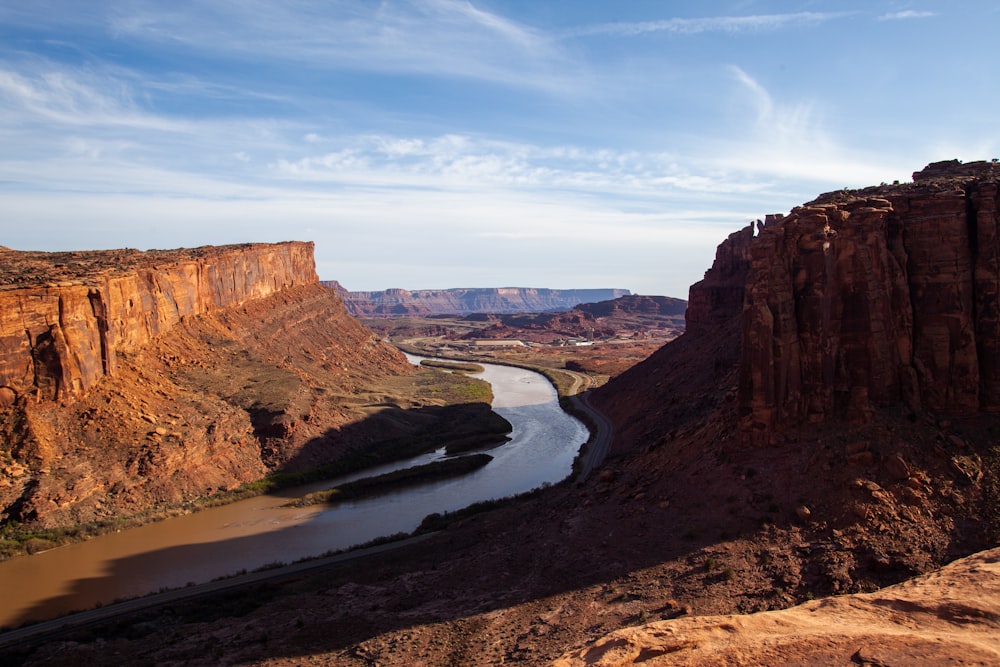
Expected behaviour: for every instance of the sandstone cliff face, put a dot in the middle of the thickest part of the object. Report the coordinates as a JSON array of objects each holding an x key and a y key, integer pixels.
[
  {"x": 58, "y": 338},
  {"x": 168, "y": 376},
  {"x": 466, "y": 301},
  {"x": 868, "y": 298},
  {"x": 719, "y": 296}
]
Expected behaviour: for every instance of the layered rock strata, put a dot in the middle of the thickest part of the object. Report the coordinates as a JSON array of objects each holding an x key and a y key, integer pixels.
[
  {"x": 866, "y": 298},
  {"x": 141, "y": 380},
  {"x": 66, "y": 317}
]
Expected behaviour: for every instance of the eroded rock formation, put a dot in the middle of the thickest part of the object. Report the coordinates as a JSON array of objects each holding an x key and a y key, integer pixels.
[
  {"x": 65, "y": 317},
  {"x": 138, "y": 380},
  {"x": 867, "y": 298},
  {"x": 719, "y": 296}
]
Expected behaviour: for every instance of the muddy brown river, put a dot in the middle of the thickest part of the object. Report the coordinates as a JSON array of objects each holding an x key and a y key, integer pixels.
[{"x": 261, "y": 531}]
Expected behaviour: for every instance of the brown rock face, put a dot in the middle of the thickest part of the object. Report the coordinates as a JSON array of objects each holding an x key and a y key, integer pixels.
[
  {"x": 867, "y": 298},
  {"x": 58, "y": 338},
  {"x": 719, "y": 296},
  {"x": 137, "y": 380}
]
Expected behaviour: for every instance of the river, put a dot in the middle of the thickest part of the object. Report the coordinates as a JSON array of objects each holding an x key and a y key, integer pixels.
[{"x": 252, "y": 533}]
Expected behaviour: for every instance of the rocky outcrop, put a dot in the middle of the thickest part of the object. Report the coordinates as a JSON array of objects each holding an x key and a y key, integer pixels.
[
  {"x": 635, "y": 304},
  {"x": 949, "y": 617},
  {"x": 66, "y": 317},
  {"x": 466, "y": 301},
  {"x": 868, "y": 298},
  {"x": 719, "y": 296}
]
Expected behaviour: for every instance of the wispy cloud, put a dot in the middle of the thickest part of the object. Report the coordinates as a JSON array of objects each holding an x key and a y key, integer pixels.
[
  {"x": 907, "y": 14},
  {"x": 74, "y": 97},
  {"x": 724, "y": 24},
  {"x": 442, "y": 38},
  {"x": 466, "y": 163},
  {"x": 789, "y": 142},
  {"x": 784, "y": 124}
]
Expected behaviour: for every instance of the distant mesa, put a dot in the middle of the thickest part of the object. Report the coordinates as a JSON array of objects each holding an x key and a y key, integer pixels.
[{"x": 466, "y": 301}]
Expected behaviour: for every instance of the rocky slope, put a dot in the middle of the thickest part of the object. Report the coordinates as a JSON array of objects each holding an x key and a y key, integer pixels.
[
  {"x": 465, "y": 301},
  {"x": 636, "y": 304},
  {"x": 132, "y": 380},
  {"x": 949, "y": 617}
]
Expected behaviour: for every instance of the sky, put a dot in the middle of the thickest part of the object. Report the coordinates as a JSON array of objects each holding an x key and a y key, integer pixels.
[{"x": 429, "y": 144}]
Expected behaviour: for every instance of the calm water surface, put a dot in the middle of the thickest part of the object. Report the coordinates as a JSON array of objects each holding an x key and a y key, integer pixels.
[{"x": 246, "y": 535}]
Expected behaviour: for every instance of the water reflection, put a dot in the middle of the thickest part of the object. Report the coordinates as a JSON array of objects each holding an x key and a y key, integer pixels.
[{"x": 259, "y": 531}]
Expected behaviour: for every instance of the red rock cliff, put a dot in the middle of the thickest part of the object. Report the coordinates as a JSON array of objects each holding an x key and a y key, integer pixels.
[
  {"x": 719, "y": 296},
  {"x": 69, "y": 315},
  {"x": 177, "y": 374},
  {"x": 867, "y": 298}
]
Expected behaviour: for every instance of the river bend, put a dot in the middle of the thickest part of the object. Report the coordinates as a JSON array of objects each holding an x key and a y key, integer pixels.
[{"x": 259, "y": 531}]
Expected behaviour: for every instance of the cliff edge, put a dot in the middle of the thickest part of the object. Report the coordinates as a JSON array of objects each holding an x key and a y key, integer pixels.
[
  {"x": 869, "y": 298},
  {"x": 66, "y": 317},
  {"x": 138, "y": 380}
]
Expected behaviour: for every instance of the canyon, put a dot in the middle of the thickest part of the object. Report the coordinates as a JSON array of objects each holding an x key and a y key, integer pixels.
[
  {"x": 825, "y": 426},
  {"x": 465, "y": 301}
]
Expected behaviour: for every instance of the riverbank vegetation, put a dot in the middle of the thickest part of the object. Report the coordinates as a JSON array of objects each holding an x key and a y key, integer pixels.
[{"x": 460, "y": 367}]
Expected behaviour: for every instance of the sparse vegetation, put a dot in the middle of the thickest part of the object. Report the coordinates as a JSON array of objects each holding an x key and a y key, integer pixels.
[{"x": 452, "y": 366}]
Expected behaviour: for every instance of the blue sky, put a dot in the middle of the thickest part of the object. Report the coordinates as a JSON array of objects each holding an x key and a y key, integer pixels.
[{"x": 437, "y": 143}]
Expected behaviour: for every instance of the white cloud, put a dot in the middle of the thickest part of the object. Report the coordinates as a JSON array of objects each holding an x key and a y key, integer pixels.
[
  {"x": 441, "y": 38},
  {"x": 75, "y": 98},
  {"x": 726, "y": 24},
  {"x": 907, "y": 14},
  {"x": 785, "y": 125}
]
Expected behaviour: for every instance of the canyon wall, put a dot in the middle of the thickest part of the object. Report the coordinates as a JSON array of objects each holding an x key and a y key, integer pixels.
[
  {"x": 65, "y": 317},
  {"x": 867, "y": 298},
  {"x": 466, "y": 301},
  {"x": 718, "y": 297},
  {"x": 135, "y": 380}
]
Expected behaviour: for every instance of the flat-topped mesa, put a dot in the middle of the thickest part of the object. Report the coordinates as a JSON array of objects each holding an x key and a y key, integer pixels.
[
  {"x": 885, "y": 295},
  {"x": 466, "y": 301},
  {"x": 65, "y": 316}
]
